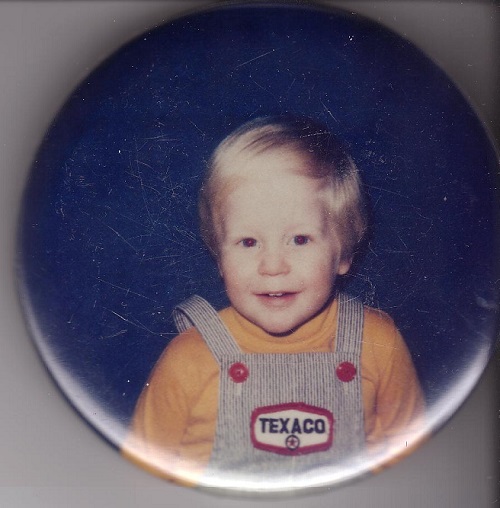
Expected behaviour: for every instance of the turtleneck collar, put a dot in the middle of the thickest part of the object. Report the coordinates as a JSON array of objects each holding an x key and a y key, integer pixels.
[{"x": 317, "y": 334}]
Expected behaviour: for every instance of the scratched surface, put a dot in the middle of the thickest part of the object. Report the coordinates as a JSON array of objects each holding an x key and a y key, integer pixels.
[{"x": 109, "y": 236}]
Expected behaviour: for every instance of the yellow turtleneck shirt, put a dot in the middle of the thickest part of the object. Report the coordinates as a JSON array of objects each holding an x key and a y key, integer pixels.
[{"x": 173, "y": 426}]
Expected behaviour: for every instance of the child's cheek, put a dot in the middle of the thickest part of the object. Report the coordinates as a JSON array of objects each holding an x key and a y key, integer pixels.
[{"x": 236, "y": 266}]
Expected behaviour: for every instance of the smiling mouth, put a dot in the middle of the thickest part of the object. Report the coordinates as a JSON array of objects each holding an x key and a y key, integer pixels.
[
  {"x": 277, "y": 300},
  {"x": 277, "y": 295}
]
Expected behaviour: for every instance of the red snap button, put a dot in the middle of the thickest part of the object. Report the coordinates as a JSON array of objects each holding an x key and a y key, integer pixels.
[
  {"x": 238, "y": 372},
  {"x": 346, "y": 372}
]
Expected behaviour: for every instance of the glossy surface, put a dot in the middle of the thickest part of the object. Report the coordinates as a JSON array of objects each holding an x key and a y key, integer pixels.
[{"x": 83, "y": 248}]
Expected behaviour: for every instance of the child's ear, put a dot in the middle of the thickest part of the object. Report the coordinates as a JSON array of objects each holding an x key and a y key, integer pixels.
[
  {"x": 219, "y": 267},
  {"x": 344, "y": 266}
]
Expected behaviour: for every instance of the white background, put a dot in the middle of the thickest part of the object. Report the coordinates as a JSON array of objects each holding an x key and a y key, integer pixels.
[{"x": 49, "y": 457}]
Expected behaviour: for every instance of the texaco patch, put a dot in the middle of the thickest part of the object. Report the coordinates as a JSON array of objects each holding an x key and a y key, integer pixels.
[{"x": 292, "y": 429}]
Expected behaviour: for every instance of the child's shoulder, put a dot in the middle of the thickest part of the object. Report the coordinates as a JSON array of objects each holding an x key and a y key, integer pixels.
[
  {"x": 191, "y": 340},
  {"x": 379, "y": 325},
  {"x": 377, "y": 317},
  {"x": 188, "y": 343}
]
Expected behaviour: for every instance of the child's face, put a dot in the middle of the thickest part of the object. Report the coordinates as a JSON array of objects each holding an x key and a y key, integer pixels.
[{"x": 278, "y": 253}]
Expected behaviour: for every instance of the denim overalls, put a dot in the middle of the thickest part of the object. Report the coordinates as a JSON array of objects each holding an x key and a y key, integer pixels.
[{"x": 283, "y": 418}]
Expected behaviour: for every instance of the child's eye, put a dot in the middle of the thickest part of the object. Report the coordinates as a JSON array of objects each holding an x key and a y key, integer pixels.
[
  {"x": 300, "y": 239},
  {"x": 249, "y": 242}
]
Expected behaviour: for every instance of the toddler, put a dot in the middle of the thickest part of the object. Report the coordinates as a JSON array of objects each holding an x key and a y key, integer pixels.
[{"x": 295, "y": 384}]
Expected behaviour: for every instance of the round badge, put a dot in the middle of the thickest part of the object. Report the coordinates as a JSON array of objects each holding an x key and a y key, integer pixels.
[{"x": 287, "y": 191}]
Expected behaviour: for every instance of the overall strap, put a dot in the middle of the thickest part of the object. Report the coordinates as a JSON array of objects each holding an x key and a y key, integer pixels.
[
  {"x": 349, "y": 325},
  {"x": 196, "y": 311}
]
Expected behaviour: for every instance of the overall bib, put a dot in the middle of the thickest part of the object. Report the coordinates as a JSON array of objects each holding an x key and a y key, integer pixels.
[{"x": 283, "y": 417}]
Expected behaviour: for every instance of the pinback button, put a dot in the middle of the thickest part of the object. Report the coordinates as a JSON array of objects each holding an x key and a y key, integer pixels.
[{"x": 109, "y": 236}]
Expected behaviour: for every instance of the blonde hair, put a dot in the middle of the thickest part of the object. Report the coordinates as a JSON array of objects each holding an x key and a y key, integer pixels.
[{"x": 329, "y": 162}]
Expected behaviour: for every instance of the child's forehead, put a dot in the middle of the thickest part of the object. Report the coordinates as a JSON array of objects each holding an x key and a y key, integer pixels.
[
  {"x": 263, "y": 183},
  {"x": 274, "y": 175},
  {"x": 268, "y": 163},
  {"x": 276, "y": 195}
]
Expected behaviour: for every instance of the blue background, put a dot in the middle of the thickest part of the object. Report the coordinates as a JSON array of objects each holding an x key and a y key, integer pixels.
[{"x": 109, "y": 237}]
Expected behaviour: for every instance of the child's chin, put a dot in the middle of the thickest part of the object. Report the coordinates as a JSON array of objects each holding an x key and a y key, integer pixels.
[{"x": 279, "y": 330}]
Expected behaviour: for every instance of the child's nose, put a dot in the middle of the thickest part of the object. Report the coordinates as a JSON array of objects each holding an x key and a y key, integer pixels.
[{"x": 273, "y": 262}]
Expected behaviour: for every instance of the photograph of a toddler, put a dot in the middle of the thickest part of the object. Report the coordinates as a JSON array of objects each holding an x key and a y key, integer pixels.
[{"x": 295, "y": 376}]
